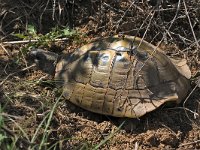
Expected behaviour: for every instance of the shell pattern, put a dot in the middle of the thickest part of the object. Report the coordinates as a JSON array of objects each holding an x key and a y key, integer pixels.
[{"x": 121, "y": 77}]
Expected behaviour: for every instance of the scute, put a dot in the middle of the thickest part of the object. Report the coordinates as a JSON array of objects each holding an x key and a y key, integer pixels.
[{"x": 121, "y": 77}]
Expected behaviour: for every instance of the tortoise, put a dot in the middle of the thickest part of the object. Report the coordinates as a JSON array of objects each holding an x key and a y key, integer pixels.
[{"x": 117, "y": 76}]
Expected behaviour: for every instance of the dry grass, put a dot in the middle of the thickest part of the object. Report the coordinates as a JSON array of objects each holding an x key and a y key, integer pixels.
[{"x": 33, "y": 116}]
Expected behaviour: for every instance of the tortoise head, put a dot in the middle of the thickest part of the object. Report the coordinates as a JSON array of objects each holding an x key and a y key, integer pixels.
[{"x": 45, "y": 60}]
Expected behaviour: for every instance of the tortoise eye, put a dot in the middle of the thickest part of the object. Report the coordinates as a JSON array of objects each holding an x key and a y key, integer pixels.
[{"x": 38, "y": 57}]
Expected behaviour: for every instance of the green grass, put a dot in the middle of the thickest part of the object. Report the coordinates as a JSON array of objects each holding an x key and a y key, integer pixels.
[
  {"x": 10, "y": 139},
  {"x": 48, "y": 117},
  {"x": 45, "y": 40},
  {"x": 7, "y": 141}
]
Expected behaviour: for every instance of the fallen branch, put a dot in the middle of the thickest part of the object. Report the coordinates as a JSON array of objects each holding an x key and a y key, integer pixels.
[{"x": 32, "y": 41}]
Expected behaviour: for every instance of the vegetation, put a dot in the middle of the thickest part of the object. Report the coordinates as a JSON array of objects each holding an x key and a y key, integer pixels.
[{"x": 33, "y": 115}]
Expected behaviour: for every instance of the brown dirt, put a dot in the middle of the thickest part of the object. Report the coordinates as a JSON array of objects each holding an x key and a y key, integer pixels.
[{"x": 26, "y": 102}]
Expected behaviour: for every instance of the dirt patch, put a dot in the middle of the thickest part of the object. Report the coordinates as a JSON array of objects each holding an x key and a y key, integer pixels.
[{"x": 26, "y": 102}]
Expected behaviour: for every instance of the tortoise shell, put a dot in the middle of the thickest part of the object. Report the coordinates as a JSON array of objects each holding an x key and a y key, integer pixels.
[{"x": 121, "y": 77}]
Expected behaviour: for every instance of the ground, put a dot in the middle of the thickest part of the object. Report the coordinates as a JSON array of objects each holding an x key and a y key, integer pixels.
[{"x": 34, "y": 114}]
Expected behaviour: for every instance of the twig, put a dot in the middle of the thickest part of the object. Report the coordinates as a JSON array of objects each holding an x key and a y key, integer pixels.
[
  {"x": 185, "y": 109},
  {"x": 11, "y": 116},
  {"x": 42, "y": 13},
  {"x": 190, "y": 143},
  {"x": 186, "y": 12},
  {"x": 31, "y": 41},
  {"x": 112, "y": 8},
  {"x": 174, "y": 133},
  {"x": 10, "y": 132},
  {"x": 2, "y": 82},
  {"x": 54, "y": 9},
  {"x": 136, "y": 146},
  {"x": 181, "y": 37},
  {"x": 5, "y": 50},
  {"x": 195, "y": 114},
  {"x": 120, "y": 20},
  {"x": 189, "y": 95}
]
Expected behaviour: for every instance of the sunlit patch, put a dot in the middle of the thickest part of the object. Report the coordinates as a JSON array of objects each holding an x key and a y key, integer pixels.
[
  {"x": 122, "y": 49},
  {"x": 105, "y": 58},
  {"x": 121, "y": 58}
]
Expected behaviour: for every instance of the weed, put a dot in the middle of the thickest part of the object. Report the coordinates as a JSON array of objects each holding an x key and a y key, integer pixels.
[
  {"x": 38, "y": 40},
  {"x": 6, "y": 142}
]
